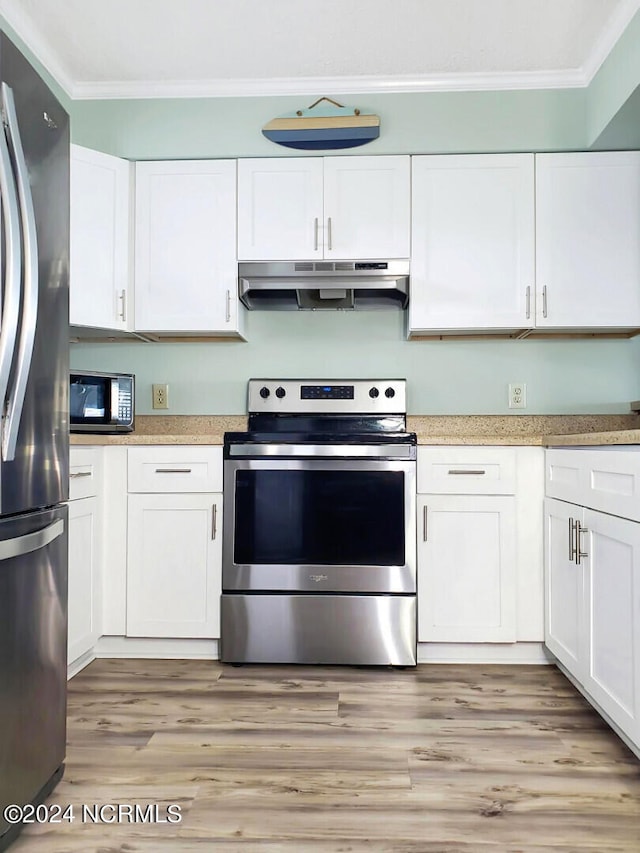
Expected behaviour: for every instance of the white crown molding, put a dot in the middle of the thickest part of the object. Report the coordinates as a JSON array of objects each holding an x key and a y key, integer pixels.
[
  {"x": 23, "y": 26},
  {"x": 616, "y": 25},
  {"x": 303, "y": 86}
]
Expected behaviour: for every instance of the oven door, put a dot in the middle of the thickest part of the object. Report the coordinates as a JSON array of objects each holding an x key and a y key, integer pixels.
[{"x": 319, "y": 525}]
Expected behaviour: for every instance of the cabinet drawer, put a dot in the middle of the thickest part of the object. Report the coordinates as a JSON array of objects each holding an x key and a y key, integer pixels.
[
  {"x": 466, "y": 470},
  {"x": 175, "y": 469},
  {"x": 604, "y": 479},
  {"x": 84, "y": 470}
]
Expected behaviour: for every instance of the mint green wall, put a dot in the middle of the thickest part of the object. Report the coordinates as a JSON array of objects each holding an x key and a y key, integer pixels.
[
  {"x": 445, "y": 377},
  {"x": 614, "y": 84},
  {"x": 409, "y": 124}
]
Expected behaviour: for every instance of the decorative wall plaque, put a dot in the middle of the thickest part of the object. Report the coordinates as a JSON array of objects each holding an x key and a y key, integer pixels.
[{"x": 323, "y": 126}]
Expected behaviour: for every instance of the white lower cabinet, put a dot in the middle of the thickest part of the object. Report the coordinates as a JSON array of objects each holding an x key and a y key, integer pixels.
[
  {"x": 84, "y": 599},
  {"x": 174, "y": 553},
  {"x": 175, "y": 559},
  {"x": 85, "y": 552},
  {"x": 479, "y": 542},
  {"x": 467, "y": 562},
  {"x": 592, "y": 590},
  {"x": 564, "y": 629},
  {"x": 612, "y": 624}
]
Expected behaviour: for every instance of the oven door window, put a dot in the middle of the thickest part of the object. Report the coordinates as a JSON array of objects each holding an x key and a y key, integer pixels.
[{"x": 319, "y": 517}]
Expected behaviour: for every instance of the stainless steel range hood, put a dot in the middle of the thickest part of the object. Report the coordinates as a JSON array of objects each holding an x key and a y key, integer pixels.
[{"x": 323, "y": 285}]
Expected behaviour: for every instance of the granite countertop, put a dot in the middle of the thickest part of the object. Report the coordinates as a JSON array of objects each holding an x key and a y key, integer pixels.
[
  {"x": 594, "y": 439},
  {"x": 170, "y": 429},
  {"x": 540, "y": 430}
]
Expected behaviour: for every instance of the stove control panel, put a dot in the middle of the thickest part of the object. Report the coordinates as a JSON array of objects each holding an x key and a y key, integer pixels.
[
  {"x": 326, "y": 392},
  {"x": 355, "y": 396}
]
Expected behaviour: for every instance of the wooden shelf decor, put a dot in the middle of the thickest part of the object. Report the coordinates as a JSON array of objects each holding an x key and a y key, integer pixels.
[{"x": 328, "y": 126}]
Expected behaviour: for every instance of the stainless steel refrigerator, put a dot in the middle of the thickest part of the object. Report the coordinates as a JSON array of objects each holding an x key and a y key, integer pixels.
[{"x": 34, "y": 236}]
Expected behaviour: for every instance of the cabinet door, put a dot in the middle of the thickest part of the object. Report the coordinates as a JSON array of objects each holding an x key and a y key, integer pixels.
[
  {"x": 85, "y": 599},
  {"x": 99, "y": 240},
  {"x": 472, "y": 261},
  {"x": 185, "y": 259},
  {"x": 588, "y": 239},
  {"x": 564, "y": 586},
  {"x": 366, "y": 207},
  {"x": 466, "y": 569},
  {"x": 280, "y": 209},
  {"x": 613, "y": 617},
  {"x": 174, "y": 565}
]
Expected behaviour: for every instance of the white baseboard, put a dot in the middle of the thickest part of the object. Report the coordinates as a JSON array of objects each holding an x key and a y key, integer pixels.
[
  {"x": 79, "y": 663},
  {"x": 523, "y": 653},
  {"x": 151, "y": 647}
]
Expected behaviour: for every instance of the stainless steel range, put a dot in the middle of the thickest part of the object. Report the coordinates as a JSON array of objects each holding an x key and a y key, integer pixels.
[{"x": 319, "y": 551}]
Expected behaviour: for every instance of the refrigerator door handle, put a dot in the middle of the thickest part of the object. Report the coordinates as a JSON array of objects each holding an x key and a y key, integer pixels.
[
  {"x": 22, "y": 545},
  {"x": 30, "y": 295},
  {"x": 12, "y": 268}
]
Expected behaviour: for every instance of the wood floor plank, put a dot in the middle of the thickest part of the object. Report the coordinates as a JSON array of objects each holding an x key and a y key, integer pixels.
[
  {"x": 444, "y": 816},
  {"x": 277, "y": 759}
]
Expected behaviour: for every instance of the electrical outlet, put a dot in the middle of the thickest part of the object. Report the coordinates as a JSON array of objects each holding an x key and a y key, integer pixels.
[
  {"x": 517, "y": 395},
  {"x": 160, "y": 396}
]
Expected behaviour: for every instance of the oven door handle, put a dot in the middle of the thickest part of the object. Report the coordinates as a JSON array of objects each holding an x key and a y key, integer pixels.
[{"x": 379, "y": 451}]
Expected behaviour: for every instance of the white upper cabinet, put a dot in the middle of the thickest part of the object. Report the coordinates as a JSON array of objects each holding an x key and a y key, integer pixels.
[
  {"x": 308, "y": 208},
  {"x": 185, "y": 258},
  {"x": 99, "y": 293},
  {"x": 280, "y": 209},
  {"x": 472, "y": 261},
  {"x": 367, "y": 207},
  {"x": 588, "y": 240}
]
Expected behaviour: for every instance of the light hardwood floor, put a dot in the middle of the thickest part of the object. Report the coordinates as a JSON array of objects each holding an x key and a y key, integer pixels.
[{"x": 430, "y": 760}]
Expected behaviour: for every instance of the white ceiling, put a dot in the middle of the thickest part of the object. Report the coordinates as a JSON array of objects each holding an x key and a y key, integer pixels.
[{"x": 154, "y": 48}]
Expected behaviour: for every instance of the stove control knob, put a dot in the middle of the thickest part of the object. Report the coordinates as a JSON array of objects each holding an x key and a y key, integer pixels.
[
  {"x": 280, "y": 392},
  {"x": 389, "y": 393},
  {"x": 264, "y": 392},
  {"x": 373, "y": 393}
]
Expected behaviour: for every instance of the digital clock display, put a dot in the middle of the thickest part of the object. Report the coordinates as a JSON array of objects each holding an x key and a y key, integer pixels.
[{"x": 326, "y": 392}]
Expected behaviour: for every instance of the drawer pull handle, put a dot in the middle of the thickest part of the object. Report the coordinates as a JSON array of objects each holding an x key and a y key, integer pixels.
[
  {"x": 467, "y": 471},
  {"x": 75, "y": 474},
  {"x": 572, "y": 547},
  {"x": 579, "y": 552},
  {"x": 173, "y": 470}
]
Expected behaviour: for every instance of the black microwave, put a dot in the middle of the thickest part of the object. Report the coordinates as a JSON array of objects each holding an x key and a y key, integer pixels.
[{"x": 101, "y": 402}]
